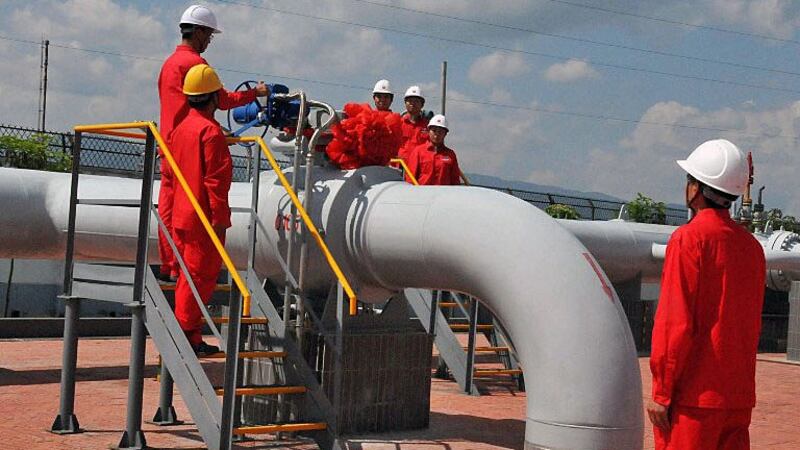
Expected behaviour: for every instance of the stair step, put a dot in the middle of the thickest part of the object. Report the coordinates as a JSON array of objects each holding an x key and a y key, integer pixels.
[
  {"x": 245, "y": 320},
  {"x": 257, "y": 354},
  {"x": 266, "y": 390},
  {"x": 278, "y": 428},
  {"x": 486, "y": 372},
  {"x": 489, "y": 349},
  {"x": 465, "y": 327},
  {"x": 448, "y": 305},
  {"x": 217, "y": 288}
]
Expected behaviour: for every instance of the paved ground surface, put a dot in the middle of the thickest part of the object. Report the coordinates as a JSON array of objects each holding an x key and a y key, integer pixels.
[{"x": 29, "y": 389}]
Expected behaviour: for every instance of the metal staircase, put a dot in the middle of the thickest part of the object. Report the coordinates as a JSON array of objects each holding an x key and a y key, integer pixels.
[
  {"x": 218, "y": 421},
  {"x": 445, "y": 315}
]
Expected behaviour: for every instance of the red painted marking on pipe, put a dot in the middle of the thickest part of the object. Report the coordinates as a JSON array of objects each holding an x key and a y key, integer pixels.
[{"x": 606, "y": 287}]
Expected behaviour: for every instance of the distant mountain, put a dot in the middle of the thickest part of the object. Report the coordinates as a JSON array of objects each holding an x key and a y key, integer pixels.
[{"x": 486, "y": 180}]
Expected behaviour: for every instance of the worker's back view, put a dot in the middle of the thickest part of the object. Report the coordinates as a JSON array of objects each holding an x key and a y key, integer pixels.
[{"x": 708, "y": 320}]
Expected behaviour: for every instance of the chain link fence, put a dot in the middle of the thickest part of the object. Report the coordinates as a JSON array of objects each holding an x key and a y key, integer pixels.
[
  {"x": 588, "y": 208},
  {"x": 103, "y": 155},
  {"x": 123, "y": 157}
]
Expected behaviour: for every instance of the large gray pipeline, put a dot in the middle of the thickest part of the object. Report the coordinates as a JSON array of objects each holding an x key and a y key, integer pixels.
[
  {"x": 570, "y": 332},
  {"x": 542, "y": 284}
]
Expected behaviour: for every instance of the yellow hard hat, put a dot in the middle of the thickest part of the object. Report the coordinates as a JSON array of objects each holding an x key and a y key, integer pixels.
[{"x": 201, "y": 79}]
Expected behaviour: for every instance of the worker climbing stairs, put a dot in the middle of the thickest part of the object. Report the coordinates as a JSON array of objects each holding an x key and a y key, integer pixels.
[{"x": 215, "y": 403}]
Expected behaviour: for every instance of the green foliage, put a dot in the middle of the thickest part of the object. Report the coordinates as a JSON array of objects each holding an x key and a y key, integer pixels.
[
  {"x": 34, "y": 153},
  {"x": 644, "y": 209},
  {"x": 560, "y": 211},
  {"x": 778, "y": 220}
]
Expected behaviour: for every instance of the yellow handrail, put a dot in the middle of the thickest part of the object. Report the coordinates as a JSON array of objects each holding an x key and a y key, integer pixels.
[
  {"x": 204, "y": 220},
  {"x": 102, "y": 128},
  {"x": 306, "y": 219},
  {"x": 406, "y": 170}
]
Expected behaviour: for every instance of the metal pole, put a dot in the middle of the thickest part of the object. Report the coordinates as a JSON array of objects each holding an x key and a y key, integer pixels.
[
  {"x": 231, "y": 370},
  {"x": 301, "y": 278},
  {"x": 298, "y": 150},
  {"x": 73, "y": 203},
  {"x": 66, "y": 422},
  {"x": 256, "y": 180},
  {"x": 133, "y": 437},
  {"x": 8, "y": 287},
  {"x": 444, "y": 86},
  {"x": 166, "y": 415},
  {"x": 435, "y": 297},
  {"x": 473, "y": 328},
  {"x": 338, "y": 363},
  {"x": 44, "y": 89}
]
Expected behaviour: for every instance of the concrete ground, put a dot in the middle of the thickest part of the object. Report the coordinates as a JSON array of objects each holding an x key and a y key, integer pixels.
[{"x": 29, "y": 398}]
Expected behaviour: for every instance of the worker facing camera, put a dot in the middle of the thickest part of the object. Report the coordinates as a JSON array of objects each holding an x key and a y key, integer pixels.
[
  {"x": 382, "y": 95},
  {"x": 433, "y": 163},
  {"x": 414, "y": 124}
]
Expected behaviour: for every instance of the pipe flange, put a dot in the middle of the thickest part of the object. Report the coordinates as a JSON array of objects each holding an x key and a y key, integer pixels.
[{"x": 786, "y": 241}]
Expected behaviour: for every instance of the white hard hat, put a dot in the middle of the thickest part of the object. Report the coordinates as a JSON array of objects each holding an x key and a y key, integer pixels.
[
  {"x": 719, "y": 164},
  {"x": 438, "y": 121},
  {"x": 414, "y": 91},
  {"x": 200, "y": 15},
  {"x": 383, "y": 87}
]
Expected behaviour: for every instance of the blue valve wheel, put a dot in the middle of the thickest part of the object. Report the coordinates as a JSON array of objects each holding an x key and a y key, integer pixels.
[{"x": 245, "y": 85}]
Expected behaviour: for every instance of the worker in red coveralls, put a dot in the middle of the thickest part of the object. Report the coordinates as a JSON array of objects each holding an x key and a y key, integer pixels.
[
  {"x": 415, "y": 125},
  {"x": 382, "y": 95},
  {"x": 205, "y": 161},
  {"x": 707, "y": 325},
  {"x": 432, "y": 163},
  {"x": 198, "y": 25}
]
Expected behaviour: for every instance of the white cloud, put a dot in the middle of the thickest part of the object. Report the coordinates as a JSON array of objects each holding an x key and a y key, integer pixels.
[
  {"x": 489, "y": 68},
  {"x": 777, "y": 18},
  {"x": 569, "y": 71},
  {"x": 645, "y": 159}
]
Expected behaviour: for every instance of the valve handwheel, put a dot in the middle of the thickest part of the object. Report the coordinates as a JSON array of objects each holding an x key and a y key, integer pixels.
[{"x": 245, "y": 85}]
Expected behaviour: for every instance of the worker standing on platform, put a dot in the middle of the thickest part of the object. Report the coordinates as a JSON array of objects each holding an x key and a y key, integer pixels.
[
  {"x": 432, "y": 163},
  {"x": 415, "y": 125},
  {"x": 382, "y": 95},
  {"x": 204, "y": 158},
  {"x": 708, "y": 320},
  {"x": 198, "y": 26}
]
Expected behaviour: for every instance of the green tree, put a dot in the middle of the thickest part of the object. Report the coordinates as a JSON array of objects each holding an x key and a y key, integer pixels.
[
  {"x": 34, "y": 153},
  {"x": 561, "y": 211},
  {"x": 644, "y": 209}
]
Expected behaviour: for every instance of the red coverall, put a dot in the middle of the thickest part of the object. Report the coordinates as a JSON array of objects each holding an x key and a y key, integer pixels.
[
  {"x": 705, "y": 334},
  {"x": 414, "y": 134},
  {"x": 433, "y": 167},
  {"x": 205, "y": 160},
  {"x": 174, "y": 109}
]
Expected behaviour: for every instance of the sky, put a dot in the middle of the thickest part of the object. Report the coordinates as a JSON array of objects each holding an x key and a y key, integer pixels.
[{"x": 592, "y": 95}]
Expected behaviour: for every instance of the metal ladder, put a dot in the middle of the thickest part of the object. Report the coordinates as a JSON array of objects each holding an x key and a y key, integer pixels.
[
  {"x": 137, "y": 287},
  {"x": 429, "y": 307}
]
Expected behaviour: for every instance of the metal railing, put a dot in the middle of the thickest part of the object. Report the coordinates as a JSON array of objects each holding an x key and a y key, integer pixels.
[
  {"x": 306, "y": 219},
  {"x": 112, "y": 154},
  {"x": 112, "y": 129}
]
